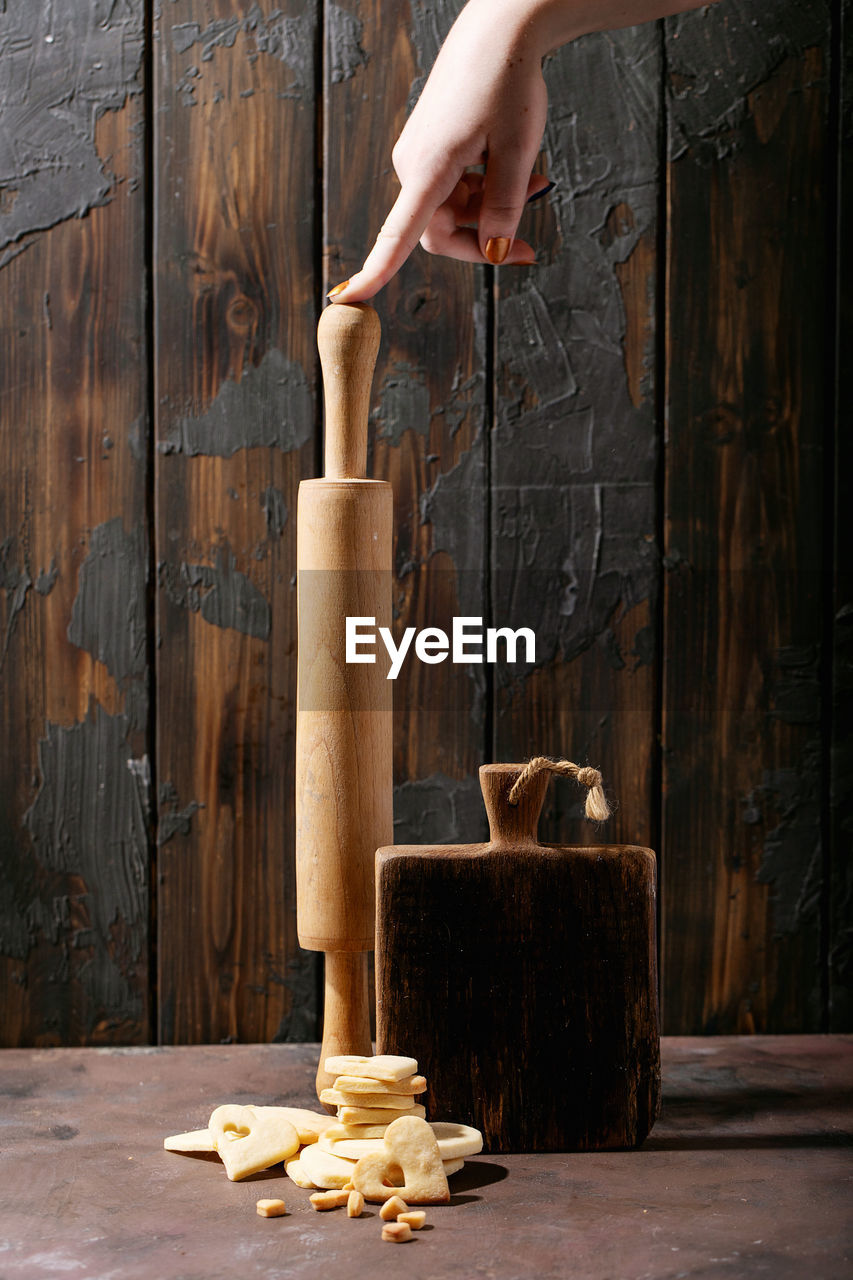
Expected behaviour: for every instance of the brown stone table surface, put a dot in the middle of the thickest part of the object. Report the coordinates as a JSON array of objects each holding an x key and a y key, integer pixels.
[{"x": 748, "y": 1172}]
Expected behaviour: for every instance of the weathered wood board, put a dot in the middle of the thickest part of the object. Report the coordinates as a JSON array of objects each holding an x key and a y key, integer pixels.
[
  {"x": 633, "y": 447},
  {"x": 73, "y": 528},
  {"x": 235, "y": 297},
  {"x": 748, "y": 324}
]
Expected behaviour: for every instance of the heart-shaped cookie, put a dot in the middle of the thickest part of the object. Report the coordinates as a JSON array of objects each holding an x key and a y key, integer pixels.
[
  {"x": 409, "y": 1145},
  {"x": 248, "y": 1141}
]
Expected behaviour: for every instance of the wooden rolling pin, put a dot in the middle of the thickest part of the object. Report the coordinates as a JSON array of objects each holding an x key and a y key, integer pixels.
[{"x": 343, "y": 722}]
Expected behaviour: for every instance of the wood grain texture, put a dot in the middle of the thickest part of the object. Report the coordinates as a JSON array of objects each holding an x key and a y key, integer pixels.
[
  {"x": 522, "y": 976},
  {"x": 574, "y": 447},
  {"x": 73, "y": 554},
  {"x": 747, "y": 407},
  {"x": 429, "y": 396},
  {"x": 235, "y": 151}
]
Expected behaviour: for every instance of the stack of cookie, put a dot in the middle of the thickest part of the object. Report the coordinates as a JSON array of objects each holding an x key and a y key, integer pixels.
[
  {"x": 369, "y": 1094},
  {"x": 373, "y": 1091}
]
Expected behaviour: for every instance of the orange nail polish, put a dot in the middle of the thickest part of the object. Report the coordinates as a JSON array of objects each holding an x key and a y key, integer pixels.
[
  {"x": 497, "y": 248},
  {"x": 339, "y": 288}
]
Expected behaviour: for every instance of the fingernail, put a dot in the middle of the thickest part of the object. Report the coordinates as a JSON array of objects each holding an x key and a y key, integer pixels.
[
  {"x": 497, "y": 248},
  {"x": 537, "y": 195},
  {"x": 339, "y": 288}
]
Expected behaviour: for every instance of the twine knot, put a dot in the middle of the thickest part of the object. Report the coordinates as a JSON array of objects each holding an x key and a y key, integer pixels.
[{"x": 597, "y": 808}]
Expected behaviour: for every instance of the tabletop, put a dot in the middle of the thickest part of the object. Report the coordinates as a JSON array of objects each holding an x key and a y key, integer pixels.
[{"x": 747, "y": 1173}]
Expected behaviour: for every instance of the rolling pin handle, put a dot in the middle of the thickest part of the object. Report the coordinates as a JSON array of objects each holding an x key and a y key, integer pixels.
[
  {"x": 348, "y": 339},
  {"x": 346, "y": 1015}
]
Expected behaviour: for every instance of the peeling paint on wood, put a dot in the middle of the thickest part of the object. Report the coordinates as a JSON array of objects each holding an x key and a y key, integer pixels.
[
  {"x": 290, "y": 39},
  {"x": 439, "y": 810},
  {"x": 403, "y": 403},
  {"x": 302, "y": 980},
  {"x": 223, "y": 595},
  {"x": 79, "y": 891},
  {"x": 271, "y": 405},
  {"x": 431, "y": 21},
  {"x": 791, "y": 860},
  {"x": 108, "y": 617},
  {"x": 61, "y": 67},
  {"x": 456, "y": 518},
  {"x": 345, "y": 33},
  {"x": 46, "y": 580},
  {"x": 275, "y": 510},
  {"x": 173, "y": 821},
  {"x": 708, "y": 105}
]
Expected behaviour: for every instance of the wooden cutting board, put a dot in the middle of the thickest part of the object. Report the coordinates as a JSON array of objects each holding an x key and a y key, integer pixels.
[{"x": 522, "y": 977}]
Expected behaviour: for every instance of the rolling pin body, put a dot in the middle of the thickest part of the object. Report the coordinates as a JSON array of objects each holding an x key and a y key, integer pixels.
[{"x": 343, "y": 724}]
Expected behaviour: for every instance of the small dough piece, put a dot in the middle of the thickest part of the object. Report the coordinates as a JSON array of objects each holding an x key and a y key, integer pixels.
[
  {"x": 295, "y": 1171},
  {"x": 325, "y": 1170},
  {"x": 364, "y": 1084},
  {"x": 383, "y": 1101},
  {"x": 271, "y": 1208},
  {"x": 355, "y": 1204},
  {"x": 329, "y": 1199},
  {"x": 374, "y": 1115},
  {"x": 308, "y": 1124},
  {"x": 456, "y": 1141},
  {"x": 248, "y": 1143},
  {"x": 384, "y": 1066},
  {"x": 397, "y": 1232},
  {"x": 410, "y": 1144},
  {"x": 196, "y": 1140},
  {"x": 415, "y": 1218},
  {"x": 390, "y": 1209},
  {"x": 453, "y": 1166}
]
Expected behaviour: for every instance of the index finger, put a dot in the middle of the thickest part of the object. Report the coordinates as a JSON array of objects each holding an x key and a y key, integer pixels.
[{"x": 400, "y": 232}]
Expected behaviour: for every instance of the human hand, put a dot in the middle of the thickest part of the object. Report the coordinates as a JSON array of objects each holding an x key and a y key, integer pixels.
[{"x": 485, "y": 102}]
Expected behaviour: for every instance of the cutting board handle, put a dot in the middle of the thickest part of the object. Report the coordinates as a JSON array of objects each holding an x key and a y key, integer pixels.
[
  {"x": 348, "y": 338},
  {"x": 512, "y": 823}
]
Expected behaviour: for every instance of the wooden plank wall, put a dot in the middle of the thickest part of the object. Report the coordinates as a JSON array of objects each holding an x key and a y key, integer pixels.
[{"x": 631, "y": 447}]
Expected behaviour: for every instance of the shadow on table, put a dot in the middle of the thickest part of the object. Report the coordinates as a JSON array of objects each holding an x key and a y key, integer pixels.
[
  {"x": 709, "y": 1140},
  {"x": 739, "y": 1116},
  {"x": 474, "y": 1174}
]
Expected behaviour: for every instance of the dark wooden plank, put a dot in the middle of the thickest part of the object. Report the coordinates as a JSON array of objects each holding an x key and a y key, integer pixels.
[
  {"x": 429, "y": 397},
  {"x": 747, "y": 407},
  {"x": 235, "y": 151},
  {"x": 574, "y": 451},
  {"x": 73, "y": 551},
  {"x": 749, "y": 1163},
  {"x": 840, "y": 916}
]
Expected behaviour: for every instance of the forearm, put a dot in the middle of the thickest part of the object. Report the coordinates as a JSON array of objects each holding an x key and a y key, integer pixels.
[{"x": 546, "y": 25}]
